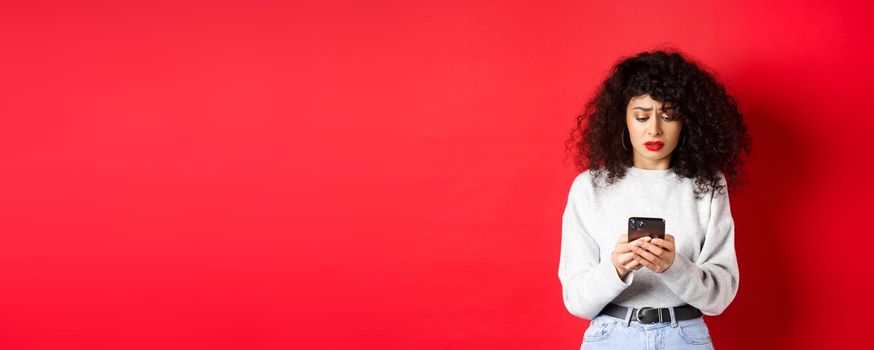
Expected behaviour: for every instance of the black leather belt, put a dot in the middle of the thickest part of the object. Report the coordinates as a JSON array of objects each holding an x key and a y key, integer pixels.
[{"x": 649, "y": 315}]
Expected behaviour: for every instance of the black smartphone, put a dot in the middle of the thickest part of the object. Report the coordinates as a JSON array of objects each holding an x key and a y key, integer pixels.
[{"x": 642, "y": 227}]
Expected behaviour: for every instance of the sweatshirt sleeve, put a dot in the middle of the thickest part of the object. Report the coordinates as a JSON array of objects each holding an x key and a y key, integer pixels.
[
  {"x": 588, "y": 282},
  {"x": 710, "y": 282}
]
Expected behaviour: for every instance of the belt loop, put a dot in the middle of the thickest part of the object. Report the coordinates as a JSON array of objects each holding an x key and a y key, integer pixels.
[
  {"x": 628, "y": 316},
  {"x": 673, "y": 317}
]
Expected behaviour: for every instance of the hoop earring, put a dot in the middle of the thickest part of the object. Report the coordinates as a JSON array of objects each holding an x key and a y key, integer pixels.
[{"x": 622, "y": 139}]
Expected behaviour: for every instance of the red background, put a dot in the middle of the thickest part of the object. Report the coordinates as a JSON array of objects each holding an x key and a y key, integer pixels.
[{"x": 266, "y": 175}]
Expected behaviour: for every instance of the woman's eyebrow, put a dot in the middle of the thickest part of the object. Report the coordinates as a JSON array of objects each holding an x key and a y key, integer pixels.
[{"x": 650, "y": 108}]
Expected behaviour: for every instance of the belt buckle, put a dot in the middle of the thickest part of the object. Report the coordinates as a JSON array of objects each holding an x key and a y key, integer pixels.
[{"x": 637, "y": 314}]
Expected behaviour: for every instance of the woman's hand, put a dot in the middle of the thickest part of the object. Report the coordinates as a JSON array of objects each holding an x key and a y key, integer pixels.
[
  {"x": 623, "y": 257},
  {"x": 656, "y": 254}
]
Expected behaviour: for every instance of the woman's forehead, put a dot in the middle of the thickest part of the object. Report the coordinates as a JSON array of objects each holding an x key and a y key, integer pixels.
[{"x": 646, "y": 102}]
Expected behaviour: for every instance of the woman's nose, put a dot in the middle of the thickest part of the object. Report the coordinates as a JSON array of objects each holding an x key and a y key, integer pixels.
[{"x": 655, "y": 128}]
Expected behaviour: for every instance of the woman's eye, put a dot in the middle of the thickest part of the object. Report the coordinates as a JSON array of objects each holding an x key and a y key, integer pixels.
[{"x": 665, "y": 117}]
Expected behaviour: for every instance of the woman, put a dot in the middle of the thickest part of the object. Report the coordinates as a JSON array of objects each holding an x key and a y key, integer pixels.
[{"x": 655, "y": 141}]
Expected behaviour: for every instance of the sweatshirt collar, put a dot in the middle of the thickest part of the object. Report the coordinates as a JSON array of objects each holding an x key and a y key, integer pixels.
[{"x": 650, "y": 173}]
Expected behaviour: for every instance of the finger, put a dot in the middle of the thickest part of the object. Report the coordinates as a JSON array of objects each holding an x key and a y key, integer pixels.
[
  {"x": 637, "y": 242},
  {"x": 652, "y": 248},
  {"x": 628, "y": 262},
  {"x": 637, "y": 264},
  {"x": 632, "y": 265},
  {"x": 642, "y": 239},
  {"x": 656, "y": 265},
  {"x": 624, "y": 258},
  {"x": 644, "y": 262},
  {"x": 626, "y": 247},
  {"x": 656, "y": 261},
  {"x": 665, "y": 243},
  {"x": 644, "y": 254}
]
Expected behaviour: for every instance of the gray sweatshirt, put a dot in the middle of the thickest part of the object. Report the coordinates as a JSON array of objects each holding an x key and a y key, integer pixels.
[{"x": 704, "y": 273}]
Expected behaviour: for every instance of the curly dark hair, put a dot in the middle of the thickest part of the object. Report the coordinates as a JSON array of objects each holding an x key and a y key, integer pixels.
[{"x": 715, "y": 134}]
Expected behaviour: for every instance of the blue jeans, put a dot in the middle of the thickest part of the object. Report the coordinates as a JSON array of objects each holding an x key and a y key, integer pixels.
[{"x": 607, "y": 332}]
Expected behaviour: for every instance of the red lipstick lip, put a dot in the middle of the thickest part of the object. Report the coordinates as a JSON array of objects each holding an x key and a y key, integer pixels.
[{"x": 654, "y": 145}]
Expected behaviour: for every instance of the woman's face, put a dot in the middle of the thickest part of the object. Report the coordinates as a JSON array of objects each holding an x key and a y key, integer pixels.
[{"x": 654, "y": 131}]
